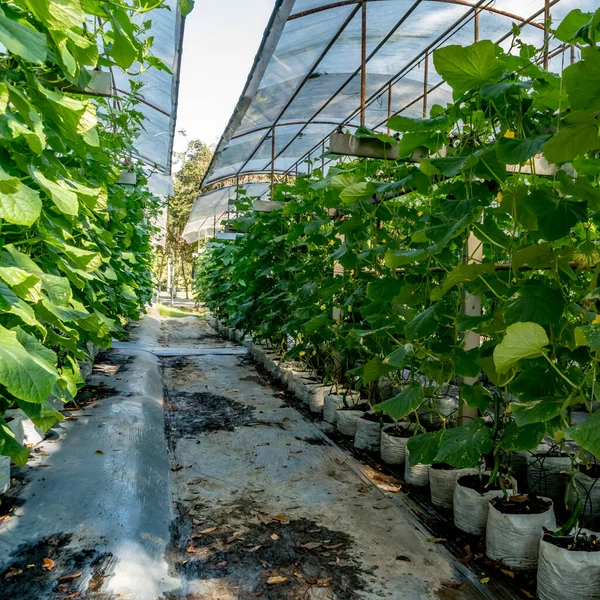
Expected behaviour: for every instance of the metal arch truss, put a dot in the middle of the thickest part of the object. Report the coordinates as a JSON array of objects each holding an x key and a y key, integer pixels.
[{"x": 361, "y": 5}]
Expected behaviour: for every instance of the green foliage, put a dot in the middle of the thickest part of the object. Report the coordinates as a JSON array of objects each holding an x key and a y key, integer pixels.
[
  {"x": 383, "y": 287},
  {"x": 75, "y": 250}
]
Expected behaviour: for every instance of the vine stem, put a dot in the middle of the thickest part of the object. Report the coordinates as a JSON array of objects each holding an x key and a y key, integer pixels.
[{"x": 551, "y": 363}]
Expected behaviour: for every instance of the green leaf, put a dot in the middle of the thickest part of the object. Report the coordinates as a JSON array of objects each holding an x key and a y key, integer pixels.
[
  {"x": 395, "y": 259},
  {"x": 573, "y": 140},
  {"x": 449, "y": 166},
  {"x": 23, "y": 374},
  {"x": 186, "y": 7},
  {"x": 517, "y": 438},
  {"x": 468, "y": 67},
  {"x": 423, "y": 448},
  {"x": 374, "y": 369},
  {"x": 399, "y": 357},
  {"x": 584, "y": 96},
  {"x": 476, "y": 396},
  {"x": 22, "y": 39},
  {"x": 63, "y": 196},
  {"x": 588, "y": 335},
  {"x": 459, "y": 274},
  {"x": 316, "y": 323},
  {"x": 587, "y": 434},
  {"x": 84, "y": 259},
  {"x": 43, "y": 415},
  {"x": 21, "y": 207},
  {"x": 12, "y": 304},
  {"x": 462, "y": 447},
  {"x": 512, "y": 151},
  {"x": 571, "y": 24},
  {"x": 424, "y": 324},
  {"x": 10, "y": 447},
  {"x": 407, "y": 401},
  {"x": 522, "y": 340},
  {"x": 383, "y": 290},
  {"x": 407, "y": 124},
  {"x": 555, "y": 215},
  {"x": 538, "y": 256},
  {"x": 536, "y": 411},
  {"x": 358, "y": 192},
  {"x": 363, "y": 133},
  {"x": 536, "y": 303}
]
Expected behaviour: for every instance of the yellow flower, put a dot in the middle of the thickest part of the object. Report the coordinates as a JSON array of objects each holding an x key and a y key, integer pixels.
[
  {"x": 500, "y": 196},
  {"x": 383, "y": 241},
  {"x": 323, "y": 306},
  {"x": 351, "y": 271},
  {"x": 314, "y": 352},
  {"x": 308, "y": 217},
  {"x": 350, "y": 309},
  {"x": 420, "y": 213},
  {"x": 596, "y": 321},
  {"x": 302, "y": 353},
  {"x": 331, "y": 242},
  {"x": 509, "y": 134}
]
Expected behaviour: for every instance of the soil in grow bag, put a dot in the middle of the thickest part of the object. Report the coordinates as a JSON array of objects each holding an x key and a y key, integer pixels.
[
  {"x": 480, "y": 483},
  {"x": 592, "y": 471},
  {"x": 399, "y": 432},
  {"x": 583, "y": 543},
  {"x": 521, "y": 505},
  {"x": 363, "y": 406},
  {"x": 374, "y": 417}
]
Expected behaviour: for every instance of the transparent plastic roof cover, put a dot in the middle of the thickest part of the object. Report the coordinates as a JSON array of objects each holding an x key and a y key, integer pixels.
[
  {"x": 159, "y": 94},
  {"x": 306, "y": 78},
  {"x": 209, "y": 209}
]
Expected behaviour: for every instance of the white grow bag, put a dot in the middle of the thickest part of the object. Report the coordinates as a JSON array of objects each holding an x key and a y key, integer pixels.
[
  {"x": 568, "y": 574},
  {"x": 589, "y": 494},
  {"x": 471, "y": 508},
  {"x": 442, "y": 483},
  {"x": 393, "y": 448},
  {"x": 515, "y": 539},
  {"x": 368, "y": 435},
  {"x": 347, "y": 421},
  {"x": 4, "y": 474},
  {"x": 415, "y": 474},
  {"x": 547, "y": 476}
]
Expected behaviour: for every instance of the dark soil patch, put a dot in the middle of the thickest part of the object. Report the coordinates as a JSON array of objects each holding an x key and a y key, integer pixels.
[
  {"x": 262, "y": 556},
  {"x": 313, "y": 441},
  {"x": 192, "y": 413},
  {"x": 583, "y": 543},
  {"x": 91, "y": 394},
  {"x": 521, "y": 505},
  {"x": 479, "y": 483},
  {"x": 72, "y": 571},
  {"x": 374, "y": 417},
  {"x": 399, "y": 432},
  {"x": 363, "y": 406},
  {"x": 113, "y": 358}
]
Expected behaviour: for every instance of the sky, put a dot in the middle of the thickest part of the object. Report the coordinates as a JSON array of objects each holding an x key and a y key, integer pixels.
[{"x": 220, "y": 42}]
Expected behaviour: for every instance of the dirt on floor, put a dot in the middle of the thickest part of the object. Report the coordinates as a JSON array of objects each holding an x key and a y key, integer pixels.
[{"x": 256, "y": 555}]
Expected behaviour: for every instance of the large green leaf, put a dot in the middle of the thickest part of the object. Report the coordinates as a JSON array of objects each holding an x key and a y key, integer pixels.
[
  {"x": 63, "y": 196},
  {"x": 571, "y": 24},
  {"x": 512, "y": 151},
  {"x": 587, "y": 434},
  {"x": 575, "y": 138},
  {"x": 582, "y": 81},
  {"x": 12, "y": 304},
  {"x": 374, "y": 369},
  {"x": 517, "y": 438},
  {"x": 10, "y": 447},
  {"x": 522, "y": 340},
  {"x": 384, "y": 290},
  {"x": 536, "y": 303},
  {"x": 22, "y": 39},
  {"x": 462, "y": 447},
  {"x": 476, "y": 396},
  {"x": 186, "y": 7},
  {"x": 19, "y": 204},
  {"x": 424, "y": 447},
  {"x": 399, "y": 357},
  {"x": 407, "y": 124},
  {"x": 358, "y": 192},
  {"x": 460, "y": 274},
  {"x": 58, "y": 14},
  {"x": 43, "y": 415},
  {"x": 425, "y": 323},
  {"x": 535, "y": 411},
  {"x": 468, "y": 67},
  {"x": 25, "y": 375},
  {"x": 407, "y": 401}
]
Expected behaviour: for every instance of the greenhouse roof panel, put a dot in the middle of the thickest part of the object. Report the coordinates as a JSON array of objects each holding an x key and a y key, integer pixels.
[
  {"x": 159, "y": 95},
  {"x": 309, "y": 70}
]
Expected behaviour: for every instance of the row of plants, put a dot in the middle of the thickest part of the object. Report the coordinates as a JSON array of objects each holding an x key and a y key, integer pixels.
[
  {"x": 365, "y": 272},
  {"x": 75, "y": 252}
]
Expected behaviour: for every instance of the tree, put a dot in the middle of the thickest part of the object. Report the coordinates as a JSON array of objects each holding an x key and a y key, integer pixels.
[{"x": 194, "y": 162}]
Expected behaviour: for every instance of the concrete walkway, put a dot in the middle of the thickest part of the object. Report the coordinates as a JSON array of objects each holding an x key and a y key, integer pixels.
[{"x": 194, "y": 479}]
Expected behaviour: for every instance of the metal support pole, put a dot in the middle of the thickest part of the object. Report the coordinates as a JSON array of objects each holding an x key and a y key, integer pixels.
[
  {"x": 546, "y": 32},
  {"x": 472, "y": 253},
  {"x": 272, "y": 160},
  {"x": 363, "y": 65},
  {"x": 425, "y": 84},
  {"x": 389, "y": 108},
  {"x": 323, "y": 160},
  {"x": 476, "y": 24},
  {"x": 572, "y": 54}
]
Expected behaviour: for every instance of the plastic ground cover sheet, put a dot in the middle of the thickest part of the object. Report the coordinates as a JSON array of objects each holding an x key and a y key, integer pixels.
[{"x": 306, "y": 79}]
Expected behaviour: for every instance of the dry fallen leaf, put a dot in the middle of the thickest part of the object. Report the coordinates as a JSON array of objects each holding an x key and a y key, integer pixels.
[
  {"x": 527, "y": 594},
  {"x": 435, "y": 540},
  {"x": 465, "y": 559},
  {"x": 277, "y": 579},
  {"x": 13, "y": 573},
  {"x": 484, "y": 580},
  {"x": 274, "y": 537},
  {"x": 70, "y": 576},
  {"x": 221, "y": 565},
  {"x": 196, "y": 522},
  {"x": 281, "y": 518},
  {"x": 48, "y": 564},
  {"x": 98, "y": 452},
  {"x": 311, "y": 545},
  {"x": 509, "y": 573},
  {"x": 364, "y": 490},
  {"x": 455, "y": 586},
  {"x": 191, "y": 549},
  {"x": 254, "y": 549},
  {"x": 177, "y": 468},
  {"x": 208, "y": 530},
  {"x": 295, "y": 451}
]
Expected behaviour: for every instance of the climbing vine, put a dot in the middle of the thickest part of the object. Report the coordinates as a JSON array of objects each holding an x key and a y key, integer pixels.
[
  {"x": 74, "y": 245},
  {"x": 504, "y": 209}
]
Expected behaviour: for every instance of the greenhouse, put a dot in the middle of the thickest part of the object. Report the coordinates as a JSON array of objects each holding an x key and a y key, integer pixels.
[{"x": 349, "y": 351}]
